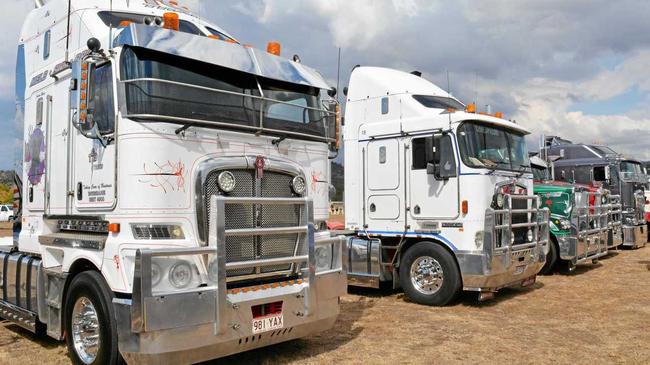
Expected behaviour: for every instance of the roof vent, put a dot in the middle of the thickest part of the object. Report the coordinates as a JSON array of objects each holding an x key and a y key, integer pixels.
[{"x": 416, "y": 73}]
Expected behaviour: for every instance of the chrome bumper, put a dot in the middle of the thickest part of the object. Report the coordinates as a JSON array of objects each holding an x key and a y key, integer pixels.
[
  {"x": 635, "y": 236},
  {"x": 211, "y": 321},
  {"x": 584, "y": 247},
  {"x": 614, "y": 236},
  {"x": 502, "y": 264}
]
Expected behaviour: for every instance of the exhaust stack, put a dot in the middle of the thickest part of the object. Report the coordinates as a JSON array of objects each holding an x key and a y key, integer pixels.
[{"x": 39, "y": 3}]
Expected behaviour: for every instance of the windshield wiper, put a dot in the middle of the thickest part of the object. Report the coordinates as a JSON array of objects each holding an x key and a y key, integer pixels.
[
  {"x": 184, "y": 128},
  {"x": 276, "y": 142}
]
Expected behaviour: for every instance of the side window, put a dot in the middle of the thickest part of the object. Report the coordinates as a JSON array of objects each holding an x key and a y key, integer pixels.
[
  {"x": 4, "y": 208},
  {"x": 101, "y": 107},
  {"x": 46, "y": 44},
  {"x": 187, "y": 27},
  {"x": 384, "y": 105},
  {"x": 422, "y": 152},
  {"x": 599, "y": 173},
  {"x": 39, "y": 111}
]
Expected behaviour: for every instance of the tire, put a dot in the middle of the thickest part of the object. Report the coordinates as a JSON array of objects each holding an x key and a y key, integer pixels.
[
  {"x": 551, "y": 259},
  {"x": 435, "y": 259},
  {"x": 87, "y": 288}
]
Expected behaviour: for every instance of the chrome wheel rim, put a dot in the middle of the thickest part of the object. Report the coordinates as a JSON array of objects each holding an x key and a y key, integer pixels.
[
  {"x": 426, "y": 275},
  {"x": 85, "y": 330}
]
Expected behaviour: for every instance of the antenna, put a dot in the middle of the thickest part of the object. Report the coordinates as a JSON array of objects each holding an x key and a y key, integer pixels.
[
  {"x": 110, "y": 32},
  {"x": 67, "y": 34},
  {"x": 338, "y": 77},
  {"x": 449, "y": 95}
]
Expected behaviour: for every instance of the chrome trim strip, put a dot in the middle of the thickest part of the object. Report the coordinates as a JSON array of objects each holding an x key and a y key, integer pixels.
[
  {"x": 266, "y": 262},
  {"x": 265, "y": 231}
]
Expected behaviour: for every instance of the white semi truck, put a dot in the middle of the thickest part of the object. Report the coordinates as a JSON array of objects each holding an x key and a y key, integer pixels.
[
  {"x": 439, "y": 199},
  {"x": 175, "y": 187}
]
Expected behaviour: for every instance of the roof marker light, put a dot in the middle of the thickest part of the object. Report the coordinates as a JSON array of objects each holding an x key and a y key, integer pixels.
[
  {"x": 274, "y": 48},
  {"x": 498, "y": 115},
  {"x": 471, "y": 108},
  {"x": 171, "y": 21}
]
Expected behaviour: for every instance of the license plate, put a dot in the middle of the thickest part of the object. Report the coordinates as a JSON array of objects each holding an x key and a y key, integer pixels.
[
  {"x": 530, "y": 281},
  {"x": 520, "y": 269},
  {"x": 268, "y": 323}
]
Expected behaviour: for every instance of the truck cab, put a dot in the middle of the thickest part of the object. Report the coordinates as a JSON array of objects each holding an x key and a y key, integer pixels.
[
  {"x": 175, "y": 187},
  {"x": 602, "y": 166},
  {"x": 579, "y": 220},
  {"x": 439, "y": 200}
]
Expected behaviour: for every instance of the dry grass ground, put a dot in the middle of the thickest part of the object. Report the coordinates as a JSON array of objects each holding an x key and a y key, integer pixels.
[{"x": 598, "y": 315}]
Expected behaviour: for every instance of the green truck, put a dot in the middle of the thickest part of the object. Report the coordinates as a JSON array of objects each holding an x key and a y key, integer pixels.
[{"x": 579, "y": 221}]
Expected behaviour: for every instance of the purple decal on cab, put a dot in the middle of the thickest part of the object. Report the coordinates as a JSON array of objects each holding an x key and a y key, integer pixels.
[{"x": 35, "y": 156}]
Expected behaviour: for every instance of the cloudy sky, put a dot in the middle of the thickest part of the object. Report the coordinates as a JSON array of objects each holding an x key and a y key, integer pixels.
[{"x": 579, "y": 68}]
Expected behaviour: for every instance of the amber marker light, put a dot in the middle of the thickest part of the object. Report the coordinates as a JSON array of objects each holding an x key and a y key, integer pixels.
[
  {"x": 498, "y": 115},
  {"x": 274, "y": 48},
  {"x": 465, "y": 207},
  {"x": 171, "y": 21},
  {"x": 471, "y": 108},
  {"x": 114, "y": 228}
]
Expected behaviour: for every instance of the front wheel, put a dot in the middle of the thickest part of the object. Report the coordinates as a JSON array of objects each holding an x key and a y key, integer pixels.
[
  {"x": 429, "y": 274},
  {"x": 90, "y": 328}
]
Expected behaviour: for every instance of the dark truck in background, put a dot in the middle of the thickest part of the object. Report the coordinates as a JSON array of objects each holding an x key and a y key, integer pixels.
[{"x": 601, "y": 166}]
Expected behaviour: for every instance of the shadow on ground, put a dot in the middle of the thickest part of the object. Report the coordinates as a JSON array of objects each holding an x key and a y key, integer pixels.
[{"x": 295, "y": 350}]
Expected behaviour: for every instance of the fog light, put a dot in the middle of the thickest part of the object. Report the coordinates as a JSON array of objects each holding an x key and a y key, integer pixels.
[
  {"x": 603, "y": 199},
  {"x": 298, "y": 185},
  {"x": 180, "y": 274},
  {"x": 156, "y": 274},
  {"x": 323, "y": 257},
  {"x": 529, "y": 236},
  {"x": 226, "y": 181}
]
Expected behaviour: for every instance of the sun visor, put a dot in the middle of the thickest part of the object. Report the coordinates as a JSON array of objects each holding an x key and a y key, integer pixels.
[{"x": 220, "y": 53}]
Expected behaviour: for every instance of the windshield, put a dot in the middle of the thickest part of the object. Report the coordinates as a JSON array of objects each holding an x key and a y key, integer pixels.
[
  {"x": 163, "y": 87},
  {"x": 631, "y": 170},
  {"x": 438, "y": 102},
  {"x": 493, "y": 147},
  {"x": 541, "y": 173}
]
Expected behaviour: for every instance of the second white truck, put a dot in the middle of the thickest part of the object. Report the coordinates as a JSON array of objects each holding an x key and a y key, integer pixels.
[{"x": 439, "y": 199}]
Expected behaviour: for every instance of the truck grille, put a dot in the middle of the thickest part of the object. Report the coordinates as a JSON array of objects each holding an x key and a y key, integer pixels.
[{"x": 245, "y": 248}]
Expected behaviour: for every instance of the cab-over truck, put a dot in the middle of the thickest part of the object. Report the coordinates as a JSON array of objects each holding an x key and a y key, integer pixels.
[
  {"x": 438, "y": 199},
  {"x": 175, "y": 184}
]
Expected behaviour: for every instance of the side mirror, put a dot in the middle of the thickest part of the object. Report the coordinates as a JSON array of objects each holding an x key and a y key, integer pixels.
[
  {"x": 80, "y": 108},
  {"x": 442, "y": 163}
]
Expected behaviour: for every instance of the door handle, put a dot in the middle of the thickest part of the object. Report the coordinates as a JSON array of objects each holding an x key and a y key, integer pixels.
[{"x": 80, "y": 191}]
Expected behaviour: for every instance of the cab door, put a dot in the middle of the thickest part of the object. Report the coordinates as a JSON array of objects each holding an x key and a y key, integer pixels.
[
  {"x": 433, "y": 184},
  {"x": 94, "y": 147},
  {"x": 383, "y": 175}
]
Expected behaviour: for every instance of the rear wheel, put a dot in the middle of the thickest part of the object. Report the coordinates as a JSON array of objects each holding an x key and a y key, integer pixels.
[
  {"x": 429, "y": 274},
  {"x": 90, "y": 330},
  {"x": 551, "y": 259}
]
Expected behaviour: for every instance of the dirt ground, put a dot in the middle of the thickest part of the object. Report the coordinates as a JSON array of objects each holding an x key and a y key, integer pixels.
[{"x": 600, "y": 314}]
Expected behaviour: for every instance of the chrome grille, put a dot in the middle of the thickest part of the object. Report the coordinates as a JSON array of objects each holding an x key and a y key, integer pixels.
[{"x": 272, "y": 185}]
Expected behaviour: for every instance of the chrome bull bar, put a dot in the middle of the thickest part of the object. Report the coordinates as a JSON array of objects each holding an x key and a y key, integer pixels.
[
  {"x": 148, "y": 306},
  {"x": 590, "y": 226},
  {"x": 537, "y": 220}
]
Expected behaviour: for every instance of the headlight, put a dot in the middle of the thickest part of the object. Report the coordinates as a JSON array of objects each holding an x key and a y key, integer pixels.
[
  {"x": 180, "y": 274},
  {"x": 500, "y": 200},
  {"x": 529, "y": 235},
  {"x": 603, "y": 199},
  {"x": 565, "y": 224},
  {"x": 172, "y": 273},
  {"x": 213, "y": 271},
  {"x": 323, "y": 256},
  {"x": 226, "y": 181},
  {"x": 156, "y": 274},
  {"x": 298, "y": 185}
]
